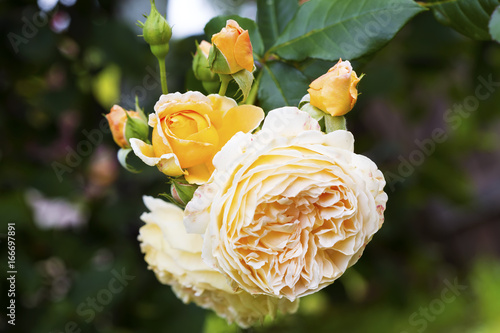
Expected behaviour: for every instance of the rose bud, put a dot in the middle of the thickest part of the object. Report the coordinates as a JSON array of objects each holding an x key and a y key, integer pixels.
[
  {"x": 125, "y": 125},
  {"x": 335, "y": 92},
  {"x": 156, "y": 32},
  {"x": 231, "y": 51},
  {"x": 201, "y": 67}
]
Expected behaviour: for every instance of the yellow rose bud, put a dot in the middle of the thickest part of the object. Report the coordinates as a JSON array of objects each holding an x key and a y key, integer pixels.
[
  {"x": 232, "y": 50},
  {"x": 117, "y": 119},
  {"x": 189, "y": 129},
  {"x": 335, "y": 92}
]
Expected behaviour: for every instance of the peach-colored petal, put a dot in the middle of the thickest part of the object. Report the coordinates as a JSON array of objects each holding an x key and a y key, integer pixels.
[
  {"x": 205, "y": 47},
  {"x": 243, "y": 51}
]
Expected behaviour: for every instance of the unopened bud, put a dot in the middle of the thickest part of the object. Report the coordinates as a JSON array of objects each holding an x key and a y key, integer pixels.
[
  {"x": 201, "y": 67},
  {"x": 157, "y": 32}
]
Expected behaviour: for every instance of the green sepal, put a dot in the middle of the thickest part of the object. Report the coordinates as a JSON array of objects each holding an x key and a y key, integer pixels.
[
  {"x": 201, "y": 66},
  {"x": 314, "y": 112},
  {"x": 122, "y": 158},
  {"x": 171, "y": 199},
  {"x": 184, "y": 190},
  {"x": 244, "y": 79},
  {"x": 218, "y": 62},
  {"x": 136, "y": 128},
  {"x": 333, "y": 123},
  {"x": 140, "y": 110}
]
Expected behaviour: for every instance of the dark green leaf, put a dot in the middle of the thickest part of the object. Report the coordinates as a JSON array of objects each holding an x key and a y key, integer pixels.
[
  {"x": 333, "y": 29},
  {"x": 217, "y": 23},
  {"x": 494, "y": 25},
  {"x": 314, "y": 68},
  {"x": 272, "y": 18},
  {"x": 470, "y": 18},
  {"x": 281, "y": 85}
]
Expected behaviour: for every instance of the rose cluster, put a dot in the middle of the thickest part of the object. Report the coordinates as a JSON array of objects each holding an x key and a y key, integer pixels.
[{"x": 264, "y": 209}]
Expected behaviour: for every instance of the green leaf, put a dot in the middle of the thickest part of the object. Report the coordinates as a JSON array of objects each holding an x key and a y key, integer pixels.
[
  {"x": 469, "y": 18},
  {"x": 122, "y": 158},
  {"x": 333, "y": 29},
  {"x": 281, "y": 85},
  {"x": 217, "y": 23},
  {"x": 314, "y": 68},
  {"x": 494, "y": 25},
  {"x": 272, "y": 18}
]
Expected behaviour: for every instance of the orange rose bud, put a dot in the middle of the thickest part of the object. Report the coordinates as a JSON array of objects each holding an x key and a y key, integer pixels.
[
  {"x": 232, "y": 50},
  {"x": 335, "y": 92},
  {"x": 117, "y": 119}
]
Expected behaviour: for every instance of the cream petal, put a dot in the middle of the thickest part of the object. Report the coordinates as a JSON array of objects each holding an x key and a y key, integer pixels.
[
  {"x": 197, "y": 212},
  {"x": 289, "y": 122},
  {"x": 169, "y": 218},
  {"x": 225, "y": 158},
  {"x": 191, "y": 279}
]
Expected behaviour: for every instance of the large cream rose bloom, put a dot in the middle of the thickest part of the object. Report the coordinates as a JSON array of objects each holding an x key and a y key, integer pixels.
[
  {"x": 175, "y": 257},
  {"x": 288, "y": 209}
]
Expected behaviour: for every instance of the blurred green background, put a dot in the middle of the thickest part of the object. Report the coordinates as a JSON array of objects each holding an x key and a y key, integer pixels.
[{"x": 433, "y": 266}]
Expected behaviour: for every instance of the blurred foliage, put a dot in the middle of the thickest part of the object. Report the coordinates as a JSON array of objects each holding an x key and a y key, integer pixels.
[{"x": 442, "y": 221}]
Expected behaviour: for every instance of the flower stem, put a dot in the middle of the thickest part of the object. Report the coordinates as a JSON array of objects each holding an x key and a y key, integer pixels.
[
  {"x": 224, "y": 83},
  {"x": 252, "y": 96},
  {"x": 163, "y": 76}
]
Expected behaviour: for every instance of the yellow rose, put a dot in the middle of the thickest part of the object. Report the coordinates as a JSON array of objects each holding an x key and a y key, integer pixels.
[
  {"x": 232, "y": 50},
  {"x": 288, "y": 209},
  {"x": 175, "y": 257},
  {"x": 189, "y": 129},
  {"x": 117, "y": 120},
  {"x": 335, "y": 92}
]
